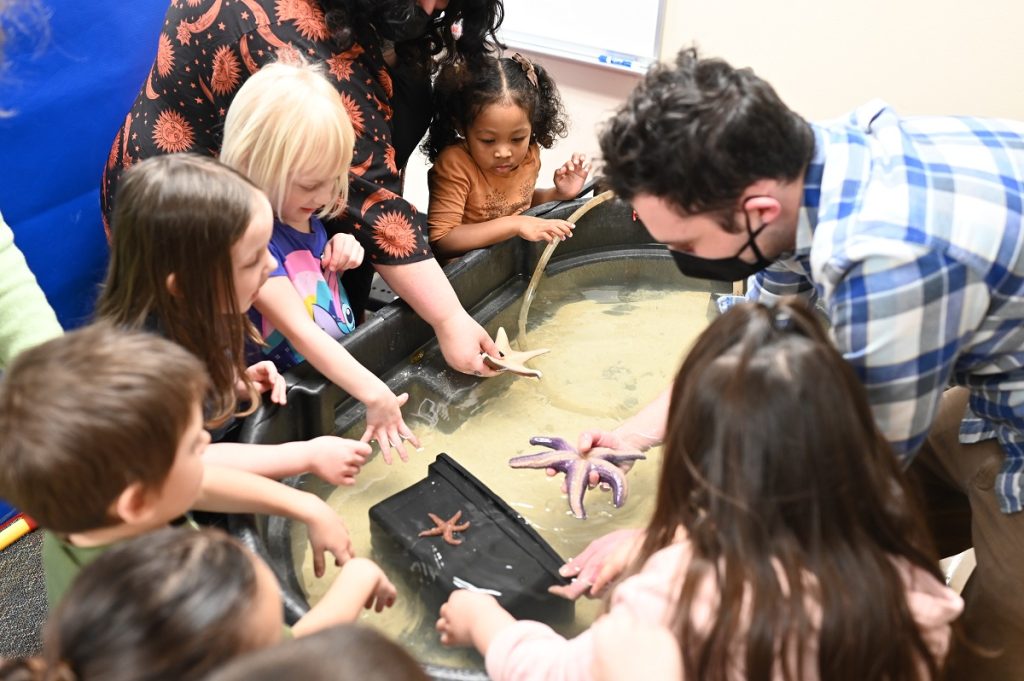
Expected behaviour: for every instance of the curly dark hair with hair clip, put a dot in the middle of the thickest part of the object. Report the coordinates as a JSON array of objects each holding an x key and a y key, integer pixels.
[
  {"x": 698, "y": 132},
  {"x": 462, "y": 90},
  {"x": 347, "y": 19}
]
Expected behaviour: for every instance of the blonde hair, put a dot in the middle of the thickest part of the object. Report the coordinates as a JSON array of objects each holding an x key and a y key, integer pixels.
[{"x": 287, "y": 118}]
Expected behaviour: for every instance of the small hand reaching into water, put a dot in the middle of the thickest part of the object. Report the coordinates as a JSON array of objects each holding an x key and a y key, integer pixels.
[{"x": 385, "y": 424}]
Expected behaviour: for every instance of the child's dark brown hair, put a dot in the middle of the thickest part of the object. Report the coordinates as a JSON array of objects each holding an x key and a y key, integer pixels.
[
  {"x": 774, "y": 467},
  {"x": 167, "y": 605},
  {"x": 179, "y": 215},
  {"x": 86, "y": 415},
  {"x": 462, "y": 90}
]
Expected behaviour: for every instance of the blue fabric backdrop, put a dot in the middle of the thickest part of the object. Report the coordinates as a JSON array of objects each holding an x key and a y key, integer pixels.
[{"x": 69, "y": 91}]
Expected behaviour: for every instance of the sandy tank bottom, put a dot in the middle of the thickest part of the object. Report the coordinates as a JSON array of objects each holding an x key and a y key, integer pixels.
[{"x": 612, "y": 351}]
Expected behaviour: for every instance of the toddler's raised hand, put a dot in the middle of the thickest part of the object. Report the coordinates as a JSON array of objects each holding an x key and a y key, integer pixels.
[
  {"x": 571, "y": 176},
  {"x": 384, "y": 423},
  {"x": 266, "y": 377},
  {"x": 342, "y": 252},
  {"x": 336, "y": 460},
  {"x": 540, "y": 229},
  {"x": 327, "y": 533}
]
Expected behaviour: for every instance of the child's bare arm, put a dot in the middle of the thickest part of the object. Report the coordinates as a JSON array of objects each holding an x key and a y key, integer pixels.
[
  {"x": 280, "y": 303},
  {"x": 463, "y": 238},
  {"x": 360, "y": 584},
  {"x": 229, "y": 490},
  {"x": 332, "y": 459}
]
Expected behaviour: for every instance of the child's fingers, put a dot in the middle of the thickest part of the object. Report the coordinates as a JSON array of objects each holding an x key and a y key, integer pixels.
[
  {"x": 318, "y": 562},
  {"x": 279, "y": 395}
]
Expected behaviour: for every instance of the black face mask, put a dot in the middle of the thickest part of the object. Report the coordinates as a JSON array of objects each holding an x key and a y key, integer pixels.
[
  {"x": 724, "y": 269},
  {"x": 401, "y": 21}
]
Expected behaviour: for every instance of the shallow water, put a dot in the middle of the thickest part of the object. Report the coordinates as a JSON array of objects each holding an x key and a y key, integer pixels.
[{"x": 613, "y": 349}]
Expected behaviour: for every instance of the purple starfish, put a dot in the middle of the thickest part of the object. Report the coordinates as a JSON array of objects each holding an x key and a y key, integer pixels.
[{"x": 576, "y": 466}]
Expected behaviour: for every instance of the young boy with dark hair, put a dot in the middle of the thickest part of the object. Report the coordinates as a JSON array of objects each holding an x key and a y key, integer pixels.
[{"x": 103, "y": 441}]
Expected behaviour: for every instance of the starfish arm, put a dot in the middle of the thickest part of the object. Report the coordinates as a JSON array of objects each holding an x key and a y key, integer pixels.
[
  {"x": 560, "y": 461},
  {"x": 613, "y": 475},
  {"x": 524, "y": 356},
  {"x": 436, "y": 519},
  {"x": 455, "y": 518},
  {"x": 556, "y": 443},
  {"x": 432, "y": 532},
  {"x": 461, "y": 528},
  {"x": 576, "y": 486},
  {"x": 615, "y": 456}
]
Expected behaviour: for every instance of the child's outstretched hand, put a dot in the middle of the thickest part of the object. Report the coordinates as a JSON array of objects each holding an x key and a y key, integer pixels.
[
  {"x": 571, "y": 176},
  {"x": 342, "y": 252},
  {"x": 539, "y": 229},
  {"x": 471, "y": 618},
  {"x": 335, "y": 459},
  {"x": 384, "y": 423},
  {"x": 266, "y": 377},
  {"x": 382, "y": 591},
  {"x": 327, "y": 533}
]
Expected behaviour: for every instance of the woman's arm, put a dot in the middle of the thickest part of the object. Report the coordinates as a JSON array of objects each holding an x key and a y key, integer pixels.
[
  {"x": 427, "y": 291},
  {"x": 279, "y": 302}
]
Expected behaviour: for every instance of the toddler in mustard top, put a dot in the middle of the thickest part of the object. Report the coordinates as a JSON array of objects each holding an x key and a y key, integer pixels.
[{"x": 491, "y": 118}]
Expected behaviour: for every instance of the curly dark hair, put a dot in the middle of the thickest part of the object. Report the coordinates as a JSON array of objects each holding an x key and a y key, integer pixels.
[
  {"x": 347, "y": 19},
  {"x": 463, "y": 89},
  {"x": 698, "y": 132}
]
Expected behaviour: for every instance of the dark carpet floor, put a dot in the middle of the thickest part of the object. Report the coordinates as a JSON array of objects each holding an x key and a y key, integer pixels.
[{"x": 22, "y": 597}]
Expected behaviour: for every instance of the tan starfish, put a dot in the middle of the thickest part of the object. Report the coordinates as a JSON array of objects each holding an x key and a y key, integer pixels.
[
  {"x": 512, "y": 360},
  {"x": 445, "y": 528}
]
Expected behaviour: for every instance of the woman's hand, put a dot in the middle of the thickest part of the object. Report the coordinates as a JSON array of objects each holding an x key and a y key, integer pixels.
[
  {"x": 540, "y": 229},
  {"x": 463, "y": 341},
  {"x": 265, "y": 376},
  {"x": 342, "y": 252},
  {"x": 384, "y": 423},
  {"x": 335, "y": 460},
  {"x": 571, "y": 176}
]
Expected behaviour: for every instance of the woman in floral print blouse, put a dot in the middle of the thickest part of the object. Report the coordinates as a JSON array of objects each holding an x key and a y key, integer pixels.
[{"x": 379, "y": 54}]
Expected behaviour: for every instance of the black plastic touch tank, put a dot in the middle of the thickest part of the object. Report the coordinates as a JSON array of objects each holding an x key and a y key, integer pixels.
[{"x": 499, "y": 553}]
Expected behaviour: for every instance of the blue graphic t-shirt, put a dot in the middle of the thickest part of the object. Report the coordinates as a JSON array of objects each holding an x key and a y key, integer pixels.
[{"x": 298, "y": 258}]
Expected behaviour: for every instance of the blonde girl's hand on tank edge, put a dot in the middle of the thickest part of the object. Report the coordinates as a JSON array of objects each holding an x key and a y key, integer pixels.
[
  {"x": 265, "y": 376},
  {"x": 327, "y": 534},
  {"x": 385, "y": 424},
  {"x": 342, "y": 252},
  {"x": 336, "y": 460}
]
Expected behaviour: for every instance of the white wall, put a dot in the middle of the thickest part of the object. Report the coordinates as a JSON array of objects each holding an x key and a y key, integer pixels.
[{"x": 824, "y": 58}]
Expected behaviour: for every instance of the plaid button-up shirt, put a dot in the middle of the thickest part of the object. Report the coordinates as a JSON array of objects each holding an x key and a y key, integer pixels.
[{"x": 911, "y": 234}]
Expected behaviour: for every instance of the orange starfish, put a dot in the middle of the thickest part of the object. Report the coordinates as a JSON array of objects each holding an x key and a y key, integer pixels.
[{"x": 445, "y": 528}]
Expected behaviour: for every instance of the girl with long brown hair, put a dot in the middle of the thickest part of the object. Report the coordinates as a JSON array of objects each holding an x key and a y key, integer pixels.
[
  {"x": 785, "y": 543},
  {"x": 188, "y": 256}
]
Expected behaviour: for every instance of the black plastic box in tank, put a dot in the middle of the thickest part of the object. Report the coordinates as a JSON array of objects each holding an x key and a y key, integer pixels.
[{"x": 499, "y": 553}]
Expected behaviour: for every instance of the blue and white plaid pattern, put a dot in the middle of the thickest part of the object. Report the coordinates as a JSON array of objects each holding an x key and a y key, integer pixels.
[{"x": 911, "y": 233}]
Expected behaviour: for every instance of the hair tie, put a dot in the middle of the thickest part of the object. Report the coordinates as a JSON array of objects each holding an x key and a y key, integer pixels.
[{"x": 528, "y": 68}]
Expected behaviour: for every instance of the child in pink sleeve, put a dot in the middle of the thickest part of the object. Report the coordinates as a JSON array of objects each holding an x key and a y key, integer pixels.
[{"x": 784, "y": 544}]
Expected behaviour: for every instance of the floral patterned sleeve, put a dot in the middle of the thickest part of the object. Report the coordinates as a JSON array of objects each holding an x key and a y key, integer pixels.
[{"x": 206, "y": 50}]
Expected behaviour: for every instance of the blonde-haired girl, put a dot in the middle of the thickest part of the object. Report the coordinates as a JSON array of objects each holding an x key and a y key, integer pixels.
[{"x": 288, "y": 131}]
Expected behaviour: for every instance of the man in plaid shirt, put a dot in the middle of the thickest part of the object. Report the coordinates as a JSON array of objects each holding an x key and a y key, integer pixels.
[{"x": 909, "y": 233}]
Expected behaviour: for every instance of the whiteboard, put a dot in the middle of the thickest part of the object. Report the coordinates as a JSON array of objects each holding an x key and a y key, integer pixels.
[{"x": 612, "y": 33}]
